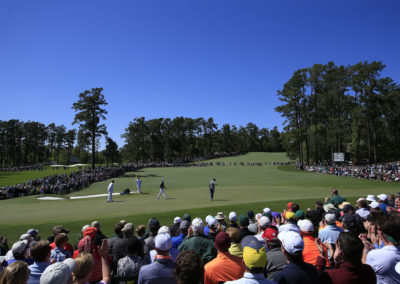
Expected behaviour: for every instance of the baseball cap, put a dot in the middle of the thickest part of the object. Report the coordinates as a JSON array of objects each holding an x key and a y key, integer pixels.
[
  {"x": 253, "y": 228},
  {"x": 85, "y": 227},
  {"x": 371, "y": 198},
  {"x": 382, "y": 197},
  {"x": 59, "y": 229},
  {"x": 95, "y": 224},
  {"x": 32, "y": 232},
  {"x": 289, "y": 205},
  {"x": 264, "y": 221},
  {"x": 164, "y": 230},
  {"x": 163, "y": 241},
  {"x": 128, "y": 227},
  {"x": 329, "y": 207},
  {"x": 330, "y": 218},
  {"x": 270, "y": 235},
  {"x": 291, "y": 242},
  {"x": 343, "y": 204},
  {"x": 59, "y": 272},
  {"x": 19, "y": 247},
  {"x": 243, "y": 220},
  {"x": 374, "y": 204},
  {"x": 290, "y": 215},
  {"x": 299, "y": 214},
  {"x": 266, "y": 210},
  {"x": 154, "y": 223},
  {"x": 305, "y": 225},
  {"x": 222, "y": 241},
  {"x": 187, "y": 217},
  {"x": 232, "y": 216},
  {"x": 177, "y": 220},
  {"x": 197, "y": 224},
  {"x": 349, "y": 222},
  {"x": 27, "y": 237},
  {"x": 254, "y": 255},
  {"x": 212, "y": 222},
  {"x": 184, "y": 225},
  {"x": 208, "y": 217},
  {"x": 360, "y": 199}
]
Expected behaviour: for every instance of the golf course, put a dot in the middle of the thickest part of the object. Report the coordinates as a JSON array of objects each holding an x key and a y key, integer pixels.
[{"x": 240, "y": 188}]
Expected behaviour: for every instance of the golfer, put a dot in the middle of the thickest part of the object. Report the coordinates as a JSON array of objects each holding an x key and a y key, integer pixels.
[
  {"x": 162, "y": 188},
  {"x": 138, "y": 185},
  {"x": 110, "y": 190},
  {"x": 212, "y": 188}
]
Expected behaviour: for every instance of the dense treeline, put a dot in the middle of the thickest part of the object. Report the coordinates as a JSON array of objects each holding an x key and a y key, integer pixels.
[
  {"x": 350, "y": 109},
  {"x": 30, "y": 143},
  {"x": 164, "y": 139}
]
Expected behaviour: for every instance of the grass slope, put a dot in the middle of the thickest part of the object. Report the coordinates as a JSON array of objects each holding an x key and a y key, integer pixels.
[{"x": 240, "y": 188}]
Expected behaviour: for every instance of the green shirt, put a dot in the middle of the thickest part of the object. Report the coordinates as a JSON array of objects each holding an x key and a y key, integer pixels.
[
  {"x": 201, "y": 245},
  {"x": 336, "y": 200}
]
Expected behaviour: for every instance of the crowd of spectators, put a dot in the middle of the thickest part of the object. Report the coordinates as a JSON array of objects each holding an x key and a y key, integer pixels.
[
  {"x": 22, "y": 168},
  {"x": 335, "y": 242},
  {"x": 389, "y": 172}
]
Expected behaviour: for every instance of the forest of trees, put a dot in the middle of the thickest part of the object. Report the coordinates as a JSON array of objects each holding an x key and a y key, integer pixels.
[
  {"x": 165, "y": 139},
  {"x": 351, "y": 109}
]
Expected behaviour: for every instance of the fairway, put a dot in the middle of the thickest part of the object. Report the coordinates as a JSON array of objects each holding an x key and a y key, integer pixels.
[{"x": 240, "y": 188}]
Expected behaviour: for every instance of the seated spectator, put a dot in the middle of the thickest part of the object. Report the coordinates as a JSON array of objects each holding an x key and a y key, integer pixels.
[
  {"x": 233, "y": 220},
  {"x": 225, "y": 266},
  {"x": 84, "y": 266},
  {"x": 234, "y": 235},
  {"x": 129, "y": 266},
  {"x": 41, "y": 255},
  {"x": 263, "y": 224},
  {"x": 154, "y": 225},
  {"x": 212, "y": 224},
  {"x": 244, "y": 223},
  {"x": 60, "y": 272},
  {"x": 199, "y": 243},
  {"x": 59, "y": 254},
  {"x": 183, "y": 228},
  {"x": 118, "y": 235},
  {"x": 363, "y": 210},
  {"x": 296, "y": 271},
  {"x": 347, "y": 257},
  {"x": 189, "y": 268},
  {"x": 250, "y": 214},
  {"x": 174, "y": 229},
  {"x": 57, "y": 230},
  {"x": 221, "y": 221},
  {"x": 331, "y": 231},
  {"x": 16, "y": 273},
  {"x": 384, "y": 260},
  {"x": 254, "y": 258},
  {"x": 383, "y": 202},
  {"x": 161, "y": 270},
  {"x": 20, "y": 252},
  {"x": 291, "y": 223},
  {"x": 276, "y": 260}
]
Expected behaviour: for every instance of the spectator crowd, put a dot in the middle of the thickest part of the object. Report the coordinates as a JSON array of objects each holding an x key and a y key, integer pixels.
[
  {"x": 389, "y": 172},
  {"x": 335, "y": 242}
]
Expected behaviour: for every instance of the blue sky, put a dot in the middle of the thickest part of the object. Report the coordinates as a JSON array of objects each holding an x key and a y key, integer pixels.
[{"x": 165, "y": 58}]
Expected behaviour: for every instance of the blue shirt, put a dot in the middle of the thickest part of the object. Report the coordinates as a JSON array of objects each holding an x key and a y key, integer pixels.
[
  {"x": 160, "y": 271},
  {"x": 37, "y": 269},
  {"x": 297, "y": 274},
  {"x": 206, "y": 230},
  {"x": 60, "y": 254},
  {"x": 176, "y": 241},
  {"x": 330, "y": 233}
]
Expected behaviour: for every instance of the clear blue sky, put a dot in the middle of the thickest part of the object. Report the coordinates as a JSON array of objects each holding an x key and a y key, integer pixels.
[{"x": 165, "y": 58}]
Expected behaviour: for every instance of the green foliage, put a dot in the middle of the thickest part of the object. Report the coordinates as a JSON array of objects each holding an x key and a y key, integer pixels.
[{"x": 331, "y": 108}]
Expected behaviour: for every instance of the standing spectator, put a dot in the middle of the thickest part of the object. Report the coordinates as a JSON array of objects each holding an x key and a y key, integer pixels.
[
  {"x": 60, "y": 272},
  {"x": 3, "y": 245},
  {"x": 119, "y": 248},
  {"x": 59, "y": 254},
  {"x": 244, "y": 223},
  {"x": 225, "y": 266},
  {"x": 129, "y": 265},
  {"x": 336, "y": 199},
  {"x": 383, "y": 202},
  {"x": 276, "y": 260},
  {"x": 188, "y": 268},
  {"x": 290, "y": 224},
  {"x": 254, "y": 258},
  {"x": 199, "y": 243},
  {"x": 363, "y": 210},
  {"x": 212, "y": 224},
  {"x": 161, "y": 270},
  {"x": 236, "y": 247},
  {"x": 118, "y": 235},
  {"x": 16, "y": 273},
  {"x": 296, "y": 271},
  {"x": 183, "y": 228},
  {"x": 263, "y": 224},
  {"x": 41, "y": 255},
  {"x": 221, "y": 221},
  {"x": 57, "y": 230},
  {"x": 233, "y": 220},
  {"x": 154, "y": 225},
  {"x": 310, "y": 251}
]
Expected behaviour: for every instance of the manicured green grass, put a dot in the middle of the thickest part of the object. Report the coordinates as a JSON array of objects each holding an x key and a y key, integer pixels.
[{"x": 240, "y": 188}]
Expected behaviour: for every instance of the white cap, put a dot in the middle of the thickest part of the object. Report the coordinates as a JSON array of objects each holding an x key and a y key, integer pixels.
[
  {"x": 371, "y": 198},
  {"x": 374, "y": 204},
  {"x": 266, "y": 210},
  {"x": 258, "y": 216},
  {"x": 264, "y": 221},
  {"x": 360, "y": 199},
  {"x": 197, "y": 224},
  {"x": 59, "y": 272},
  {"x": 232, "y": 216},
  {"x": 208, "y": 217},
  {"x": 177, "y": 220},
  {"x": 305, "y": 225},
  {"x": 27, "y": 237},
  {"x": 330, "y": 218},
  {"x": 163, "y": 241},
  {"x": 85, "y": 227},
  {"x": 382, "y": 197},
  {"x": 291, "y": 241},
  {"x": 164, "y": 230},
  {"x": 212, "y": 222}
]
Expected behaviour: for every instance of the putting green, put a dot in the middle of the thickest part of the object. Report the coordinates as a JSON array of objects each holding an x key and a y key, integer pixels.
[{"x": 240, "y": 188}]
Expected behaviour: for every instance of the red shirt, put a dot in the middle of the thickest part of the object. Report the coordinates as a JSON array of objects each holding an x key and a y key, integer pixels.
[{"x": 67, "y": 247}]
